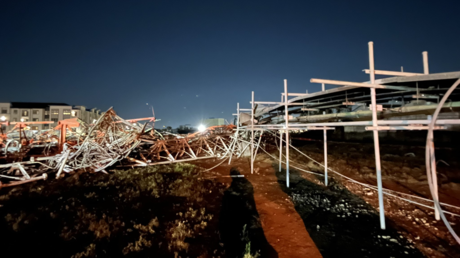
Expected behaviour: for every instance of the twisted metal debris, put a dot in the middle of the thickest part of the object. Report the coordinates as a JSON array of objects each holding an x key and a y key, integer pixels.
[{"x": 74, "y": 146}]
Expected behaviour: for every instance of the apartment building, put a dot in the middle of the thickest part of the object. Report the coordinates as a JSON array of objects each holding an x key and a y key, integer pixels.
[{"x": 36, "y": 111}]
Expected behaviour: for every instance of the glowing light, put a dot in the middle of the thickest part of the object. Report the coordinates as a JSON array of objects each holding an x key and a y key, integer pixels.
[
  {"x": 3, "y": 118},
  {"x": 22, "y": 119},
  {"x": 201, "y": 128}
]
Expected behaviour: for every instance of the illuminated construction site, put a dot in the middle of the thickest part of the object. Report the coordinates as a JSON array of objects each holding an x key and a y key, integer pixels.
[{"x": 401, "y": 101}]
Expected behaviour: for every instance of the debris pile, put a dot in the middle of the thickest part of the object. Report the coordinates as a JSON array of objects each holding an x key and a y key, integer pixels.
[{"x": 75, "y": 146}]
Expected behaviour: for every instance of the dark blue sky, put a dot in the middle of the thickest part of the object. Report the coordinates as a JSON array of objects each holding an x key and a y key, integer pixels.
[{"x": 196, "y": 59}]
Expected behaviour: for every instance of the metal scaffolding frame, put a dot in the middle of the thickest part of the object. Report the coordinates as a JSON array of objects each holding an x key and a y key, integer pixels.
[{"x": 375, "y": 125}]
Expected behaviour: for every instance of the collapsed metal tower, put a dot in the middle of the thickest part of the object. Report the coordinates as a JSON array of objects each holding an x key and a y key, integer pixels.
[{"x": 75, "y": 146}]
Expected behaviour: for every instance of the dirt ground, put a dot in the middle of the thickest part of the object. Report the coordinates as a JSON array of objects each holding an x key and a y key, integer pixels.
[
  {"x": 165, "y": 211},
  {"x": 403, "y": 170},
  {"x": 343, "y": 217},
  {"x": 180, "y": 211}
]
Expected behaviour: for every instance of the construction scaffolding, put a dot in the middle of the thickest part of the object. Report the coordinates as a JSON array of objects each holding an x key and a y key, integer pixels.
[{"x": 345, "y": 106}]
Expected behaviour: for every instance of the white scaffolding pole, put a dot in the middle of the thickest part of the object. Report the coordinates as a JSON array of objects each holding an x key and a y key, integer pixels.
[
  {"x": 287, "y": 131},
  {"x": 252, "y": 133},
  {"x": 237, "y": 131},
  {"x": 281, "y": 150},
  {"x": 434, "y": 176},
  {"x": 376, "y": 136},
  {"x": 325, "y": 156},
  {"x": 426, "y": 70}
]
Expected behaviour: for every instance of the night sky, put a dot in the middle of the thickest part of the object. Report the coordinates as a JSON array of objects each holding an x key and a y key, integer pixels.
[{"x": 196, "y": 59}]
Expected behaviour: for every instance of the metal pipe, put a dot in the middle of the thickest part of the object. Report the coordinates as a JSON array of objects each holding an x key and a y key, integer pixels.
[
  {"x": 267, "y": 102},
  {"x": 252, "y": 134},
  {"x": 433, "y": 171},
  {"x": 429, "y": 155},
  {"x": 294, "y": 129},
  {"x": 295, "y": 94},
  {"x": 425, "y": 62},
  {"x": 434, "y": 177},
  {"x": 277, "y": 103},
  {"x": 360, "y": 84},
  {"x": 369, "y": 123},
  {"x": 167, "y": 162},
  {"x": 392, "y": 73},
  {"x": 408, "y": 127},
  {"x": 281, "y": 150},
  {"x": 258, "y": 144},
  {"x": 322, "y": 87},
  {"x": 237, "y": 130},
  {"x": 376, "y": 136},
  {"x": 325, "y": 156},
  {"x": 287, "y": 132}
]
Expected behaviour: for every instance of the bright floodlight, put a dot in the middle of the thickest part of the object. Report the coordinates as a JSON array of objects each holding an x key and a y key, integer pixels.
[
  {"x": 3, "y": 118},
  {"x": 201, "y": 128}
]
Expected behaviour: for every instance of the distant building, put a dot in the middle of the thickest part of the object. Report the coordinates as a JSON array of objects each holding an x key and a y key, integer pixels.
[
  {"x": 36, "y": 111},
  {"x": 184, "y": 129},
  {"x": 213, "y": 122}
]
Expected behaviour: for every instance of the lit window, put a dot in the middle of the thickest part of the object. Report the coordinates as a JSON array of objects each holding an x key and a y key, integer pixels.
[
  {"x": 35, "y": 112},
  {"x": 74, "y": 113},
  {"x": 66, "y": 112},
  {"x": 54, "y": 111},
  {"x": 25, "y": 113},
  {"x": 35, "y": 119}
]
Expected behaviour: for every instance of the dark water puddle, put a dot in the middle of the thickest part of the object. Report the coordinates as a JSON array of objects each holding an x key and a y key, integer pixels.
[{"x": 340, "y": 223}]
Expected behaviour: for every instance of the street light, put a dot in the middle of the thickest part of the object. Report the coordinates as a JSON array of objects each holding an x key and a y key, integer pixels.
[
  {"x": 3, "y": 118},
  {"x": 201, "y": 128}
]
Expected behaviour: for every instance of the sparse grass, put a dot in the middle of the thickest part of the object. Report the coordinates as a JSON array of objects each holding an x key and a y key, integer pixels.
[
  {"x": 247, "y": 251},
  {"x": 152, "y": 211}
]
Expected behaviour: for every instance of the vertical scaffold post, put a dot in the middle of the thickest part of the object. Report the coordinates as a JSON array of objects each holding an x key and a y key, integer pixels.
[
  {"x": 434, "y": 177},
  {"x": 376, "y": 136},
  {"x": 286, "y": 118},
  {"x": 281, "y": 149},
  {"x": 238, "y": 116},
  {"x": 325, "y": 156},
  {"x": 426, "y": 70},
  {"x": 252, "y": 133},
  {"x": 235, "y": 142}
]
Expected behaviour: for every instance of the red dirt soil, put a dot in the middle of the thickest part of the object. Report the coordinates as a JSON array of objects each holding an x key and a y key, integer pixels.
[{"x": 283, "y": 227}]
